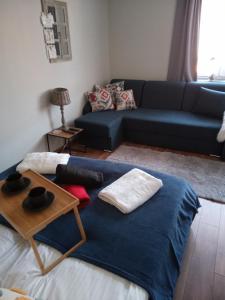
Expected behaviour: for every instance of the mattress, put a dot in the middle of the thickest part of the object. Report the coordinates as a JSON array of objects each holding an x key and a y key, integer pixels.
[
  {"x": 144, "y": 247},
  {"x": 72, "y": 279}
]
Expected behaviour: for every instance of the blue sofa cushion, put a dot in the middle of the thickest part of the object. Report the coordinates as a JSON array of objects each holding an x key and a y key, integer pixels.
[
  {"x": 135, "y": 85},
  {"x": 171, "y": 122},
  {"x": 210, "y": 103},
  {"x": 101, "y": 123},
  {"x": 192, "y": 92},
  {"x": 163, "y": 95}
]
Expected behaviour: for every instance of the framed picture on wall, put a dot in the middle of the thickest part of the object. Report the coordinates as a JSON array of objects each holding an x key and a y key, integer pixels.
[{"x": 60, "y": 29}]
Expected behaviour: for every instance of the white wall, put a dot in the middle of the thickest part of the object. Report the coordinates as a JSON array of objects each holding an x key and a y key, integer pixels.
[
  {"x": 140, "y": 38},
  {"x": 26, "y": 75},
  {"x": 131, "y": 36}
]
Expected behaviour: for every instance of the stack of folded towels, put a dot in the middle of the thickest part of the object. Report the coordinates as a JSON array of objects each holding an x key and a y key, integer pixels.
[
  {"x": 127, "y": 193},
  {"x": 131, "y": 190}
]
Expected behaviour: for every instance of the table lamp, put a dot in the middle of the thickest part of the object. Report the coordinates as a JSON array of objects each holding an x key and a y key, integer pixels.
[{"x": 60, "y": 97}]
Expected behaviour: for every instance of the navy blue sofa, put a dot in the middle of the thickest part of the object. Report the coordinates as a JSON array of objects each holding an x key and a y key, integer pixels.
[{"x": 165, "y": 117}]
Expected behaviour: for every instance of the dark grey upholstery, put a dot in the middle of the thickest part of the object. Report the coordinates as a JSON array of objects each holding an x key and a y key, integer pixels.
[
  {"x": 163, "y": 95},
  {"x": 164, "y": 117},
  {"x": 192, "y": 91},
  {"x": 210, "y": 103},
  {"x": 172, "y": 122}
]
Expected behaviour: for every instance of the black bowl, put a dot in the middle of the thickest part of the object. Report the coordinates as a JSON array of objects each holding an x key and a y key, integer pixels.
[
  {"x": 33, "y": 204},
  {"x": 15, "y": 183}
]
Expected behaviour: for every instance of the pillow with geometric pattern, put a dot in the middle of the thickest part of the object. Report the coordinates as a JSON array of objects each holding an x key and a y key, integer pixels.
[
  {"x": 100, "y": 100},
  {"x": 125, "y": 100},
  {"x": 112, "y": 88},
  {"x": 115, "y": 87}
]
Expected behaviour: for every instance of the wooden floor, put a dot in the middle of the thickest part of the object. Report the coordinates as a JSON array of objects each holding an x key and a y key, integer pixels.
[{"x": 203, "y": 270}]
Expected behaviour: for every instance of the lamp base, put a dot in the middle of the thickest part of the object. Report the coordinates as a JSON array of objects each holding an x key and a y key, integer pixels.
[{"x": 65, "y": 128}]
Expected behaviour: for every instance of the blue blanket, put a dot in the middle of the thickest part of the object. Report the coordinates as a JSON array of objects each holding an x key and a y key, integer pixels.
[{"x": 145, "y": 246}]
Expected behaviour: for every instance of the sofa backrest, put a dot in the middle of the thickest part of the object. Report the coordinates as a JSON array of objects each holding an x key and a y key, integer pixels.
[
  {"x": 192, "y": 91},
  {"x": 163, "y": 95},
  {"x": 135, "y": 85}
]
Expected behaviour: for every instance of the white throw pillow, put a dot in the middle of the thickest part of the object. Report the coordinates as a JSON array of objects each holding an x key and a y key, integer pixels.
[{"x": 43, "y": 162}]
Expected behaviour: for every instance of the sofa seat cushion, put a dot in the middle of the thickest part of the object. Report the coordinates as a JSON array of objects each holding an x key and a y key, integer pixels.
[
  {"x": 102, "y": 123},
  {"x": 171, "y": 122}
]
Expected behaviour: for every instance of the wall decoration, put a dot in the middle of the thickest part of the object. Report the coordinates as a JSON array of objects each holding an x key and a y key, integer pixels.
[
  {"x": 49, "y": 36},
  {"x": 47, "y": 21},
  {"x": 51, "y": 51},
  {"x": 54, "y": 19}
]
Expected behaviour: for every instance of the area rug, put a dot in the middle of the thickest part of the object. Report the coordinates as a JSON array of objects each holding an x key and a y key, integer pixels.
[{"x": 206, "y": 176}]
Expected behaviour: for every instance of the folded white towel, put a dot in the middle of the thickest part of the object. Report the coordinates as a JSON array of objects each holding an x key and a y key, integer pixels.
[
  {"x": 130, "y": 190},
  {"x": 43, "y": 162},
  {"x": 221, "y": 134}
]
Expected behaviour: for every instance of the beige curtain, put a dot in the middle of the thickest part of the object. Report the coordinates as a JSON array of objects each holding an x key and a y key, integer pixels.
[{"x": 184, "y": 46}]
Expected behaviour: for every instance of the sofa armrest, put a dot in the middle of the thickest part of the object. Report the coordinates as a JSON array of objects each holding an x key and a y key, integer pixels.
[{"x": 87, "y": 108}]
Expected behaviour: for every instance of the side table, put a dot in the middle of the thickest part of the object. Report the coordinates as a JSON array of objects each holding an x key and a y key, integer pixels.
[
  {"x": 27, "y": 224},
  {"x": 67, "y": 136}
]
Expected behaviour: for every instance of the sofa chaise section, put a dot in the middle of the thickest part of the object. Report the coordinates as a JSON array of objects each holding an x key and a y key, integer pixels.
[{"x": 102, "y": 130}]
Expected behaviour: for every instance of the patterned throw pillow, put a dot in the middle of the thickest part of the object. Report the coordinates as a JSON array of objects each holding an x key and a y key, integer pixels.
[
  {"x": 112, "y": 88},
  {"x": 125, "y": 100},
  {"x": 100, "y": 100},
  {"x": 115, "y": 87}
]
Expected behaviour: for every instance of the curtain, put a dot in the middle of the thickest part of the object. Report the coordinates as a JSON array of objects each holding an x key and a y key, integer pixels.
[{"x": 184, "y": 46}]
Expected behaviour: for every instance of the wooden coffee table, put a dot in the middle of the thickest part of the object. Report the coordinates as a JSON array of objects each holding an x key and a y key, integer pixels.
[{"x": 27, "y": 224}]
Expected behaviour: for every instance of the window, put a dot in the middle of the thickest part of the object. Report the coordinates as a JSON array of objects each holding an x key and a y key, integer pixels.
[
  {"x": 211, "y": 54},
  {"x": 60, "y": 28}
]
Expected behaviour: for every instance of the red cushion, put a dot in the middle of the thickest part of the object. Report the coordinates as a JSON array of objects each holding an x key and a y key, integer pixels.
[{"x": 79, "y": 192}]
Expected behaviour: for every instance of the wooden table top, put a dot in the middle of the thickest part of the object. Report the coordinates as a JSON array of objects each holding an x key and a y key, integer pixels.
[
  {"x": 29, "y": 223},
  {"x": 63, "y": 134}
]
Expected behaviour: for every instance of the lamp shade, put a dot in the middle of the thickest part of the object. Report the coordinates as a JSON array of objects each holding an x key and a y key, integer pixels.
[{"x": 60, "y": 97}]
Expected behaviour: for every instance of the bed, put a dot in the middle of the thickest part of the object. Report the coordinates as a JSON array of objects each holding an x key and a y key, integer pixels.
[
  {"x": 134, "y": 256},
  {"x": 72, "y": 279}
]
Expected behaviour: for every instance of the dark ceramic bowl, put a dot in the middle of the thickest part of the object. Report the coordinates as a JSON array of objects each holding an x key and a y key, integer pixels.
[
  {"x": 38, "y": 199},
  {"x": 15, "y": 183}
]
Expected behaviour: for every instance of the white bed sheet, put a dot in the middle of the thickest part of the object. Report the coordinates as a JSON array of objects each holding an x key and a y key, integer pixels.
[{"x": 72, "y": 279}]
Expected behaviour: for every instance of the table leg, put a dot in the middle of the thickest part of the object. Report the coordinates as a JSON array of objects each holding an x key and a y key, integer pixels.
[
  {"x": 58, "y": 260},
  {"x": 69, "y": 146},
  {"x": 48, "y": 143},
  {"x": 79, "y": 224},
  {"x": 65, "y": 145},
  {"x": 36, "y": 253}
]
